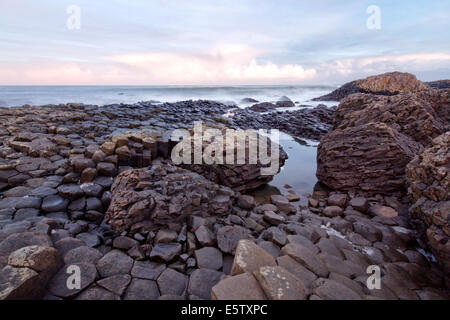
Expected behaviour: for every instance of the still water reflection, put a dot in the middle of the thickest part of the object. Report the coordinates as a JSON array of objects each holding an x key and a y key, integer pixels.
[{"x": 299, "y": 170}]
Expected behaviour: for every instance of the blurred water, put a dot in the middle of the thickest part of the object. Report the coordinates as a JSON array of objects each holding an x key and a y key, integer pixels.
[{"x": 100, "y": 95}]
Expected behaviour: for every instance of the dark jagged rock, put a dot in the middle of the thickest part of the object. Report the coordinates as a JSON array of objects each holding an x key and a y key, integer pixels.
[
  {"x": 147, "y": 199},
  {"x": 439, "y": 84},
  {"x": 309, "y": 123},
  {"x": 428, "y": 176},
  {"x": 390, "y": 83},
  {"x": 421, "y": 116},
  {"x": 371, "y": 157}
]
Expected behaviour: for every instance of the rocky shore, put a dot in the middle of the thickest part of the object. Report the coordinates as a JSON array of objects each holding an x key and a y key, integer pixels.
[{"x": 93, "y": 187}]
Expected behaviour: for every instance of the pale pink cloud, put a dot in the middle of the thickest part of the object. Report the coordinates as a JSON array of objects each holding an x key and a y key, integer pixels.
[{"x": 224, "y": 64}]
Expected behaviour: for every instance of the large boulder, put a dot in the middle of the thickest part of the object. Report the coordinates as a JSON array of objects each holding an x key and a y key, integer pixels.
[
  {"x": 375, "y": 136},
  {"x": 241, "y": 172},
  {"x": 429, "y": 185},
  {"x": 371, "y": 157},
  {"x": 421, "y": 116},
  {"x": 151, "y": 198},
  {"x": 390, "y": 83}
]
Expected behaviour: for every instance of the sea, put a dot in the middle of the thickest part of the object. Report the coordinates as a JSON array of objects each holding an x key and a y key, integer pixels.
[{"x": 12, "y": 96}]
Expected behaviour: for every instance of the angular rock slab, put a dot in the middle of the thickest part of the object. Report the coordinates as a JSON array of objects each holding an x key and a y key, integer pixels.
[
  {"x": 280, "y": 284},
  {"x": 306, "y": 258},
  {"x": 20, "y": 284},
  {"x": 243, "y": 286},
  {"x": 250, "y": 257},
  {"x": 114, "y": 262}
]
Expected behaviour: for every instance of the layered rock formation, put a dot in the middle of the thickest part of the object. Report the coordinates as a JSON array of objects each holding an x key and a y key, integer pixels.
[
  {"x": 421, "y": 116},
  {"x": 237, "y": 159},
  {"x": 371, "y": 157},
  {"x": 428, "y": 176},
  {"x": 375, "y": 137},
  {"x": 390, "y": 83}
]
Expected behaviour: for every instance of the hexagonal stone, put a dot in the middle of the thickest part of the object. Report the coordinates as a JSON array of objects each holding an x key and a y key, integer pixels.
[
  {"x": 147, "y": 270},
  {"x": 54, "y": 203},
  {"x": 367, "y": 230},
  {"x": 359, "y": 203},
  {"x": 82, "y": 254},
  {"x": 273, "y": 218},
  {"x": 303, "y": 241},
  {"x": 383, "y": 211},
  {"x": 66, "y": 244},
  {"x": 94, "y": 204},
  {"x": 228, "y": 237},
  {"x": 20, "y": 202},
  {"x": 246, "y": 202},
  {"x": 270, "y": 247},
  {"x": 280, "y": 284},
  {"x": 354, "y": 285},
  {"x": 26, "y": 213},
  {"x": 43, "y": 191},
  {"x": 306, "y": 258},
  {"x": 114, "y": 262},
  {"x": 201, "y": 282},
  {"x": 70, "y": 191},
  {"x": 19, "y": 191},
  {"x": 332, "y": 290},
  {"x": 250, "y": 257},
  {"x": 165, "y": 236},
  {"x": 281, "y": 202},
  {"x": 97, "y": 293},
  {"x": 124, "y": 243},
  {"x": 333, "y": 211},
  {"x": 58, "y": 285},
  {"x": 306, "y": 276},
  {"x": 276, "y": 235},
  {"x": 172, "y": 282},
  {"x": 92, "y": 189},
  {"x": 239, "y": 287},
  {"x": 204, "y": 236},
  {"x": 140, "y": 289},
  {"x": 209, "y": 258},
  {"x": 106, "y": 169},
  {"x": 337, "y": 199},
  {"x": 89, "y": 238},
  {"x": 326, "y": 245},
  {"x": 116, "y": 284},
  {"x": 165, "y": 252},
  {"x": 337, "y": 265}
]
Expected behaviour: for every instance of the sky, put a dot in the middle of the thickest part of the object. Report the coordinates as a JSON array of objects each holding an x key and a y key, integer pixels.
[{"x": 217, "y": 42}]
